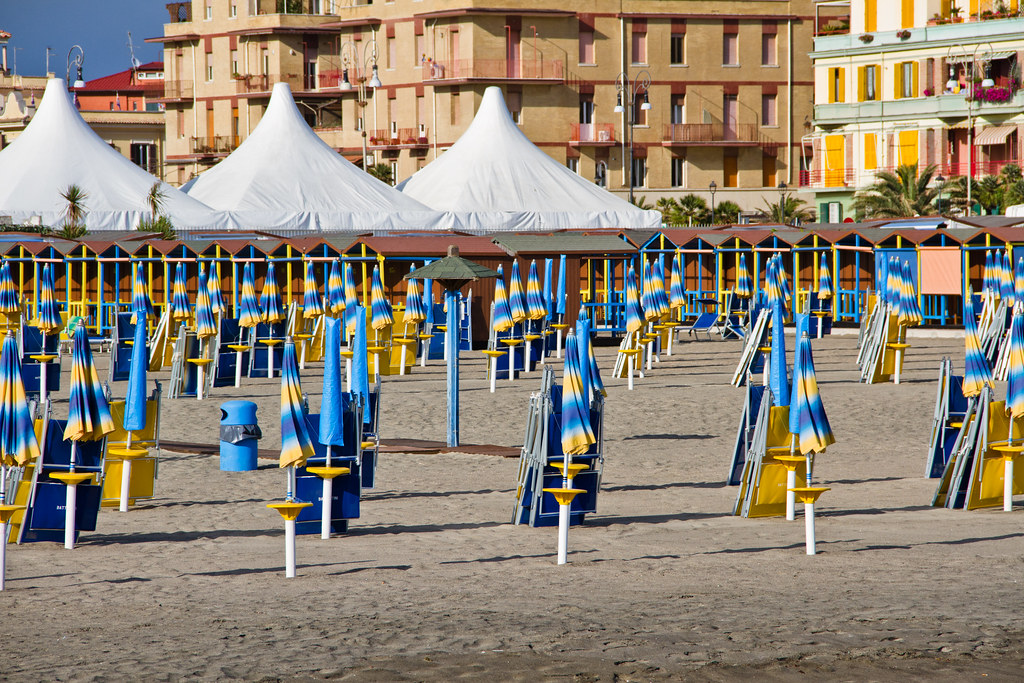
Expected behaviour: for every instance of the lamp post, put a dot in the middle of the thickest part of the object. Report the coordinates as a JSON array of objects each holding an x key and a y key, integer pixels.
[
  {"x": 940, "y": 180},
  {"x": 631, "y": 90},
  {"x": 712, "y": 187},
  {"x": 369, "y": 61},
  {"x": 78, "y": 62},
  {"x": 782, "y": 202}
]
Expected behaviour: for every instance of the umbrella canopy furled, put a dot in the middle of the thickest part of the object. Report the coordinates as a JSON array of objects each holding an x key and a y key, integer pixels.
[
  {"x": 135, "y": 395},
  {"x": 783, "y": 278},
  {"x": 773, "y": 285},
  {"x": 824, "y": 279},
  {"x": 560, "y": 287},
  {"x": 814, "y": 434},
  {"x": 217, "y": 304},
  {"x": 744, "y": 285},
  {"x": 179, "y": 297},
  {"x": 1018, "y": 281},
  {"x": 1006, "y": 278},
  {"x": 206, "y": 324},
  {"x": 909, "y": 309},
  {"x": 48, "y": 321},
  {"x": 977, "y": 372},
  {"x": 648, "y": 298},
  {"x": 1015, "y": 376},
  {"x": 549, "y": 294},
  {"x": 988, "y": 276},
  {"x": 249, "y": 314},
  {"x": 335, "y": 290},
  {"x": 296, "y": 444},
  {"x": 676, "y": 289},
  {"x": 415, "y": 313},
  {"x": 360, "y": 364},
  {"x": 351, "y": 299},
  {"x": 8, "y": 292},
  {"x": 502, "y": 313},
  {"x": 141, "y": 302},
  {"x": 535, "y": 305},
  {"x": 658, "y": 286},
  {"x": 577, "y": 430},
  {"x": 516, "y": 295},
  {"x": 332, "y": 432},
  {"x": 270, "y": 298},
  {"x": 18, "y": 445},
  {"x": 634, "y": 316},
  {"x": 312, "y": 303},
  {"x": 88, "y": 411},
  {"x": 381, "y": 315}
]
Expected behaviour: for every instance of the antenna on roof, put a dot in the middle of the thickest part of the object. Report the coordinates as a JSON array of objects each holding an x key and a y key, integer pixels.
[{"x": 131, "y": 49}]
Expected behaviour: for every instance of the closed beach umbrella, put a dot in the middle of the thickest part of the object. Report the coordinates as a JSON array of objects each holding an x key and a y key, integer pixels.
[
  {"x": 88, "y": 412},
  {"x": 560, "y": 288},
  {"x": 8, "y": 292},
  {"x": 912, "y": 311},
  {"x": 648, "y": 299},
  {"x": 634, "y": 316},
  {"x": 977, "y": 372},
  {"x": 1018, "y": 281},
  {"x": 360, "y": 363},
  {"x": 296, "y": 444},
  {"x": 18, "y": 443},
  {"x": 217, "y": 304},
  {"x": 335, "y": 290},
  {"x": 535, "y": 305},
  {"x": 577, "y": 431},
  {"x": 141, "y": 302},
  {"x": 206, "y": 324},
  {"x": 351, "y": 299},
  {"x": 773, "y": 285},
  {"x": 658, "y": 286},
  {"x": 414, "y": 311},
  {"x": 780, "y": 271},
  {"x": 824, "y": 279},
  {"x": 549, "y": 294},
  {"x": 814, "y": 431},
  {"x": 502, "y": 313},
  {"x": 135, "y": 395},
  {"x": 744, "y": 285},
  {"x": 249, "y": 314},
  {"x": 270, "y": 298},
  {"x": 179, "y": 297},
  {"x": 778, "y": 370},
  {"x": 332, "y": 431},
  {"x": 1006, "y": 278},
  {"x": 312, "y": 303},
  {"x": 516, "y": 295},
  {"x": 988, "y": 276},
  {"x": 48, "y": 321},
  {"x": 381, "y": 315},
  {"x": 1015, "y": 374},
  {"x": 677, "y": 291}
]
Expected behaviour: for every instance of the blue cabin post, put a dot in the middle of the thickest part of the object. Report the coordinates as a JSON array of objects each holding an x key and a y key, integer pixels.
[{"x": 452, "y": 302}]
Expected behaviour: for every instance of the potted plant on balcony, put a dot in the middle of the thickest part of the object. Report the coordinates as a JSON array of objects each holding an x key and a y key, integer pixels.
[
  {"x": 865, "y": 37},
  {"x": 954, "y": 14},
  {"x": 903, "y": 34}
]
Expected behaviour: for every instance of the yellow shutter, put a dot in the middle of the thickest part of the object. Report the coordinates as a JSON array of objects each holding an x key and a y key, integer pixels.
[
  {"x": 908, "y": 147},
  {"x": 878, "y": 81},
  {"x": 835, "y": 162},
  {"x": 897, "y": 81},
  {"x": 907, "y": 14},
  {"x": 841, "y": 95},
  {"x": 831, "y": 85},
  {"x": 870, "y": 15},
  {"x": 862, "y": 82},
  {"x": 914, "y": 92},
  {"x": 870, "y": 153}
]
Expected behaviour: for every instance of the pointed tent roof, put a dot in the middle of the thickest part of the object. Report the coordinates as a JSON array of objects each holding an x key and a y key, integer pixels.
[
  {"x": 284, "y": 176},
  {"x": 57, "y": 149},
  {"x": 494, "y": 179}
]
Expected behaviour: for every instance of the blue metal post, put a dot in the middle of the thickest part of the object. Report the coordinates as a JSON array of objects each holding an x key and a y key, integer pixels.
[{"x": 452, "y": 300}]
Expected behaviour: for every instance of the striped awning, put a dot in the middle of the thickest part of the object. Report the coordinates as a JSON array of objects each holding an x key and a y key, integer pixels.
[
  {"x": 982, "y": 57},
  {"x": 993, "y": 135}
]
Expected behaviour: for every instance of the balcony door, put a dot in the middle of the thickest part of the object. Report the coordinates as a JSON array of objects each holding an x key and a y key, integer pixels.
[
  {"x": 586, "y": 117},
  {"x": 512, "y": 53},
  {"x": 730, "y": 116},
  {"x": 309, "y": 57}
]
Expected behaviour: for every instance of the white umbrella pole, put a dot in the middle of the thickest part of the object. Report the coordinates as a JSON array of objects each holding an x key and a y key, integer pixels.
[
  {"x": 423, "y": 356},
  {"x": 126, "y": 476},
  {"x": 630, "y": 361},
  {"x": 563, "y": 533},
  {"x": 401, "y": 364},
  {"x": 70, "y": 501},
  {"x": 3, "y": 554},
  {"x": 558, "y": 343},
  {"x": 671, "y": 337},
  {"x": 238, "y": 368},
  {"x": 325, "y": 514},
  {"x": 348, "y": 374},
  {"x": 896, "y": 375},
  {"x": 289, "y": 548},
  {"x": 201, "y": 373},
  {"x": 790, "y": 495},
  {"x": 270, "y": 361},
  {"x": 650, "y": 354},
  {"x": 1008, "y": 485},
  {"x": 527, "y": 353},
  {"x": 809, "y": 527},
  {"x": 42, "y": 375},
  {"x": 494, "y": 373}
]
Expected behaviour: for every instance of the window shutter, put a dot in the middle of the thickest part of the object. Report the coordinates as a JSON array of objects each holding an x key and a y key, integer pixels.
[
  {"x": 898, "y": 81},
  {"x": 831, "y": 85},
  {"x": 862, "y": 82},
  {"x": 914, "y": 90},
  {"x": 841, "y": 95}
]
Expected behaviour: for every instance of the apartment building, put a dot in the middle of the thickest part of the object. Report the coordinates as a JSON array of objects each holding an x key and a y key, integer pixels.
[
  {"x": 729, "y": 89},
  {"x": 916, "y": 81}
]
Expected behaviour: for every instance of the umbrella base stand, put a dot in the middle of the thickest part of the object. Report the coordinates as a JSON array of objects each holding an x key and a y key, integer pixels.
[
  {"x": 808, "y": 495},
  {"x": 564, "y": 497},
  {"x": 289, "y": 511},
  {"x": 1009, "y": 452},
  {"x": 71, "y": 480}
]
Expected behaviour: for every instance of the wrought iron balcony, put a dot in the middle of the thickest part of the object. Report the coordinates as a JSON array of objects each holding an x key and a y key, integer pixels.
[{"x": 591, "y": 134}]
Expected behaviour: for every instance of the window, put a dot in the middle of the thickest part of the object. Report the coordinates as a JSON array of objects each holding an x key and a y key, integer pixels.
[
  {"x": 601, "y": 173},
  {"x": 234, "y": 62},
  {"x": 769, "y": 50},
  {"x": 266, "y": 62},
  {"x": 639, "y": 172},
  {"x": 678, "y": 172},
  {"x": 769, "y": 110},
  {"x": 870, "y": 15},
  {"x": 907, "y": 14},
  {"x": 453, "y": 114},
  {"x": 586, "y": 108},
  {"x": 730, "y": 115},
  {"x": 394, "y": 172},
  {"x": 730, "y": 166},
  {"x": 908, "y": 148},
  {"x": 392, "y": 53},
  {"x": 573, "y": 164},
  {"x": 586, "y": 45},
  {"x": 906, "y": 74},
  {"x": 515, "y": 105},
  {"x": 143, "y": 155},
  {"x": 837, "y": 84},
  {"x": 870, "y": 152},
  {"x": 233, "y": 9},
  {"x": 209, "y": 66},
  {"x": 677, "y": 49},
  {"x": 639, "y": 113},
  {"x": 768, "y": 171},
  {"x": 640, "y": 44},
  {"x": 678, "y": 114},
  {"x": 420, "y": 55},
  {"x": 730, "y": 50},
  {"x": 421, "y": 110},
  {"x": 209, "y": 10},
  {"x": 867, "y": 84},
  {"x": 181, "y": 123}
]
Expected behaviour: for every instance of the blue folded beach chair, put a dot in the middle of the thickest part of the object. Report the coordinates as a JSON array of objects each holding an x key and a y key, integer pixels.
[
  {"x": 706, "y": 322},
  {"x": 230, "y": 333},
  {"x": 745, "y": 433},
  {"x": 121, "y": 348},
  {"x": 259, "y": 363}
]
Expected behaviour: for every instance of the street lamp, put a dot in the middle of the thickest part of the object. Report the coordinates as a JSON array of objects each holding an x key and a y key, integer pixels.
[
  {"x": 782, "y": 202},
  {"x": 632, "y": 90},
  {"x": 712, "y": 187},
  {"x": 940, "y": 180},
  {"x": 77, "y": 62},
  {"x": 352, "y": 61}
]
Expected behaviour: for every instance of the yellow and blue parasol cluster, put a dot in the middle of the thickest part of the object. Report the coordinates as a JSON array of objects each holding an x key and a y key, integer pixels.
[
  {"x": 206, "y": 324},
  {"x": 48, "y": 320},
  {"x": 18, "y": 445},
  {"x": 335, "y": 290},
  {"x": 516, "y": 295},
  {"x": 536, "y": 308},
  {"x": 634, "y": 316},
  {"x": 502, "y": 313},
  {"x": 270, "y": 298},
  {"x": 814, "y": 433},
  {"x": 179, "y": 298}
]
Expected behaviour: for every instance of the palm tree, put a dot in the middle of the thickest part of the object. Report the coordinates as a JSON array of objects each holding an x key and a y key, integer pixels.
[
  {"x": 787, "y": 211},
  {"x": 727, "y": 212},
  {"x": 692, "y": 209},
  {"x": 382, "y": 172},
  {"x": 156, "y": 198},
  {"x": 74, "y": 213},
  {"x": 902, "y": 194},
  {"x": 670, "y": 214}
]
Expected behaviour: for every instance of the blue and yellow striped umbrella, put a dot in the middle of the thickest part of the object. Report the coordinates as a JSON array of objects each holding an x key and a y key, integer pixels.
[
  {"x": 658, "y": 286},
  {"x": 634, "y": 315},
  {"x": 1018, "y": 281},
  {"x": 814, "y": 434},
  {"x": 909, "y": 309},
  {"x": 577, "y": 430},
  {"x": 88, "y": 411},
  {"x": 415, "y": 313},
  {"x": 595, "y": 372},
  {"x": 381, "y": 315},
  {"x": 773, "y": 286},
  {"x": 535, "y": 306},
  {"x": 135, "y": 408},
  {"x": 676, "y": 289},
  {"x": 516, "y": 295},
  {"x": 744, "y": 285},
  {"x": 894, "y": 273},
  {"x": 48, "y": 321},
  {"x": 206, "y": 324},
  {"x": 335, "y": 290},
  {"x": 824, "y": 279},
  {"x": 977, "y": 372},
  {"x": 351, "y": 300},
  {"x": 8, "y": 292},
  {"x": 312, "y": 303},
  {"x": 249, "y": 313},
  {"x": 1015, "y": 374},
  {"x": 270, "y": 298},
  {"x": 988, "y": 276},
  {"x": 780, "y": 271},
  {"x": 296, "y": 444},
  {"x": 217, "y": 304},
  {"x": 502, "y": 313},
  {"x": 141, "y": 302},
  {"x": 179, "y": 297},
  {"x": 648, "y": 299},
  {"x": 1006, "y": 278},
  {"x": 18, "y": 445},
  {"x": 560, "y": 287}
]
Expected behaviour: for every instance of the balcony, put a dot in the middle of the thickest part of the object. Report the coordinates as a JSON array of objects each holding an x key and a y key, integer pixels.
[
  {"x": 212, "y": 145},
  {"x": 715, "y": 134},
  {"x": 178, "y": 90},
  {"x": 397, "y": 138},
  {"x": 549, "y": 71},
  {"x": 969, "y": 33},
  {"x": 306, "y": 7},
  {"x": 592, "y": 134},
  {"x": 180, "y": 12},
  {"x": 934, "y": 106},
  {"x": 858, "y": 179}
]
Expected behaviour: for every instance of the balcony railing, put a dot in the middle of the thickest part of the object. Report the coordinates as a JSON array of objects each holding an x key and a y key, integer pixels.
[
  {"x": 705, "y": 133},
  {"x": 385, "y": 137},
  {"x": 298, "y": 6},
  {"x": 216, "y": 144},
  {"x": 180, "y": 12},
  {"x": 592, "y": 133},
  {"x": 861, "y": 178},
  {"x": 178, "y": 90},
  {"x": 495, "y": 69}
]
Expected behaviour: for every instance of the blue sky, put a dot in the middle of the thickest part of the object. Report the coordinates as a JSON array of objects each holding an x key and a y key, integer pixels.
[{"x": 99, "y": 26}]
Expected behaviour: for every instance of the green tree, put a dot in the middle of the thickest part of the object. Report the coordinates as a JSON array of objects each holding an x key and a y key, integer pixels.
[
  {"x": 902, "y": 194},
  {"x": 382, "y": 172},
  {"x": 669, "y": 208},
  {"x": 692, "y": 209},
  {"x": 727, "y": 212},
  {"x": 158, "y": 222},
  {"x": 74, "y": 213},
  {"x": 788, "y": 210}
]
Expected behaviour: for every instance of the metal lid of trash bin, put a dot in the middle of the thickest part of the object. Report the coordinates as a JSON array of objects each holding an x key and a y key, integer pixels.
[{"x": 238, "y": 413}]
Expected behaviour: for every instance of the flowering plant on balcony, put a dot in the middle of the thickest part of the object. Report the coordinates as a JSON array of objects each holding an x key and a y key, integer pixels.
[
  {"x": 903, "y": 34},
  {"x": 996, "y": 95},
  {"x": 928, "y": 92},
  {"x": 865, "y": 37}
]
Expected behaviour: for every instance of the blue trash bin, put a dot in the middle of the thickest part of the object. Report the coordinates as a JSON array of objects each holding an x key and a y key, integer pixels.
[{"x": 239, "y": 434}]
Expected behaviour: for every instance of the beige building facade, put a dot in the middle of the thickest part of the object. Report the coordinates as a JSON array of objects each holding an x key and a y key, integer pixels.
[{"x": 730, "y": 84}]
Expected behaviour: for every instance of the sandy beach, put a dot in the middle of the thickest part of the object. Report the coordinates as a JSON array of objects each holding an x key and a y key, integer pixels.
[{"x": 433, "y": 583}]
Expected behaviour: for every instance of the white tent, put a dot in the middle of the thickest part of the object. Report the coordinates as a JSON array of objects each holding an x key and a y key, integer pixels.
[
  {"x": 285, "y": 177},
  {"x": 58, "y": 149},
  {"x": 494, "y": 179}
]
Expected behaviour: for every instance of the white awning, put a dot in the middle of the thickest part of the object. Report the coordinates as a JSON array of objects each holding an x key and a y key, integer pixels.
[
  {"x": 982, "y": 57},
  {"x": 994, "y": 135}
]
